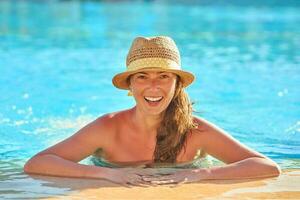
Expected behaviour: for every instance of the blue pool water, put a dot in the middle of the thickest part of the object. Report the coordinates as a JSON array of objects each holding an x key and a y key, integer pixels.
[{"x": 57, "y": 59}]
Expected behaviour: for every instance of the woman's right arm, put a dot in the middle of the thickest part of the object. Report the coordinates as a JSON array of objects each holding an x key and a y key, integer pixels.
[{"x": 62, "y": 159}]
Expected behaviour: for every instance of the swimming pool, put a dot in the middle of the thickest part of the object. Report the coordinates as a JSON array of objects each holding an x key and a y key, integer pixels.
[{"x": 57, "y": 59}]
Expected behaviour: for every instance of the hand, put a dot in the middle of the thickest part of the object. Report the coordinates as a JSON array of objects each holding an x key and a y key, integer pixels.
[
  {"x": 177, "y": 177},
  {"x": 133, "y": 176},
  {"x": 155, "y": 171}
]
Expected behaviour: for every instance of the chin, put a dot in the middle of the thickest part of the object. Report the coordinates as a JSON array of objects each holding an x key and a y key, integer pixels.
[{"x": 154, "y": 111}]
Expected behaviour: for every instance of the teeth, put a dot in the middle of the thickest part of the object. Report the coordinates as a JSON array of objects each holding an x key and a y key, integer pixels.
[{"x": 153, "y": 98}]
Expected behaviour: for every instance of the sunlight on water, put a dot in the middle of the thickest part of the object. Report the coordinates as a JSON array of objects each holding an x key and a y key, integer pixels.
[{"x": 57, "y": 66}]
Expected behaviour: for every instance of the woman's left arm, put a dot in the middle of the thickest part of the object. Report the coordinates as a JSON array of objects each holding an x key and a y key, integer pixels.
[
  {"x": 241, "y": 161},
  {"x": 249, "y": 168},
  {"x": 253, "y": 167}
]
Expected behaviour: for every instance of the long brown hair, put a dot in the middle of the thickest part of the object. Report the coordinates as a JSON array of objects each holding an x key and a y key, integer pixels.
[{"x": 177, "y": 122}]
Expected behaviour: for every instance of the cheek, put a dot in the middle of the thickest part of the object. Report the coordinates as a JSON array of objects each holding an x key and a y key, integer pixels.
[
  {"x": 136, "y": 90},
  {"x": 171, "y": 88}
]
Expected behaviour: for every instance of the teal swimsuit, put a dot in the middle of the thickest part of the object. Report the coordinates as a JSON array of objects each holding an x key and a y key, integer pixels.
[{"x": 200, "y": 162}]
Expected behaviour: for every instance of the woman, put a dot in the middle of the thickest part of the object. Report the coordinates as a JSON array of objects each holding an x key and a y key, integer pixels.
[{"x": 159, "y": 129}]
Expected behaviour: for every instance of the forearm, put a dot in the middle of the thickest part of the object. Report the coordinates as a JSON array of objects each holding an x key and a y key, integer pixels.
[
  {"x": 248, "y": 168},
  {"x": 53, "y": 165}
]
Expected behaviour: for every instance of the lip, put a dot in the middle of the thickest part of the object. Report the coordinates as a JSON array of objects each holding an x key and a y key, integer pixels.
[
  {"x": 153, "y": 99},
  {"x": 153, "y": 103}
]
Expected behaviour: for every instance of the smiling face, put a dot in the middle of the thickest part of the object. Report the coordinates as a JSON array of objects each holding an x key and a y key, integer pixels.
[{"x": 153, "y": 90}]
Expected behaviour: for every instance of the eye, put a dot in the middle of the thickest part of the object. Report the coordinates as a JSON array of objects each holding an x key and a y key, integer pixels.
[
  {"x": 141, "y": 77},
  {"x": 164, "y": 76}
]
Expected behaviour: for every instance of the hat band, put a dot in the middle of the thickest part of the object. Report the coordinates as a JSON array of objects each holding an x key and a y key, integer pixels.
[{"x": 161, "y": 63}]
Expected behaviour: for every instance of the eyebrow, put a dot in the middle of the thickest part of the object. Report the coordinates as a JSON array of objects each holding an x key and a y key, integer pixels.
[{"x": 160, "y": 72}]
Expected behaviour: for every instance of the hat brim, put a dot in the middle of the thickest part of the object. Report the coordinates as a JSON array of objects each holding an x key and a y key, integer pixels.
[{"x": 120, "y": 80}]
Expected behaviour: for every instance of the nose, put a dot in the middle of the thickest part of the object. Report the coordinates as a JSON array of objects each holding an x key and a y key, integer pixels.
[{"x": 154, "y": 85}]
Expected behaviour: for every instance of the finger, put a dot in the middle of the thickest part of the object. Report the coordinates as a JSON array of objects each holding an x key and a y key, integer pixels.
[
  {"x": 134, "y": 179},
  {"x": 167, "y": 177},
  {"x": 158, "y": 178},
  {"x": 137, "y": 181},
  {"x": 158, "y": 183},
  {"x": 127, "y": 184},
  {"x": 140, "y": 180},
  {"x": 185, "y": 180},
  {"x": 151, "y": 179},
  {"x": 140, "y": 183},
  {"x": 147, "y": 179},
  {"x": 163, "y": 182},
  {"x": 143, "y": 184},
  {"x": 148, "y": 183}
]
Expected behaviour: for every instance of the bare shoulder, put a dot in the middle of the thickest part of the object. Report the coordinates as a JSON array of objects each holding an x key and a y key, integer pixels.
[
  {"x": 208, "y": 131},
  {"x": 110, "y": 120},
  {"x": 219, "y": 143},
  {"x": 109, "y": 123},
  {"x": 200, "y": 134},
  {"x": 105, "y": 122},
  {"x": 97, "y": 134},
  {"x": 203, "y": 124},
  {"x": 204, "y": 128}
]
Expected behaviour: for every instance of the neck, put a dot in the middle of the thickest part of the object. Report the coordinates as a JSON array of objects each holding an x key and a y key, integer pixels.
[{"x": 146, "y": 123}]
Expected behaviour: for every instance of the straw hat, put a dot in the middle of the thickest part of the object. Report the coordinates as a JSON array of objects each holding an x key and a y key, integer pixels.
[{"x": 152, "y": 53}]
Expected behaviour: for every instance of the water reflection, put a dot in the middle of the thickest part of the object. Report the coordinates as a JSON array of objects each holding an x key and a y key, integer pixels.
[
  {"x": 14, "y": 184},
  {"x": 58, "y": 58}
]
